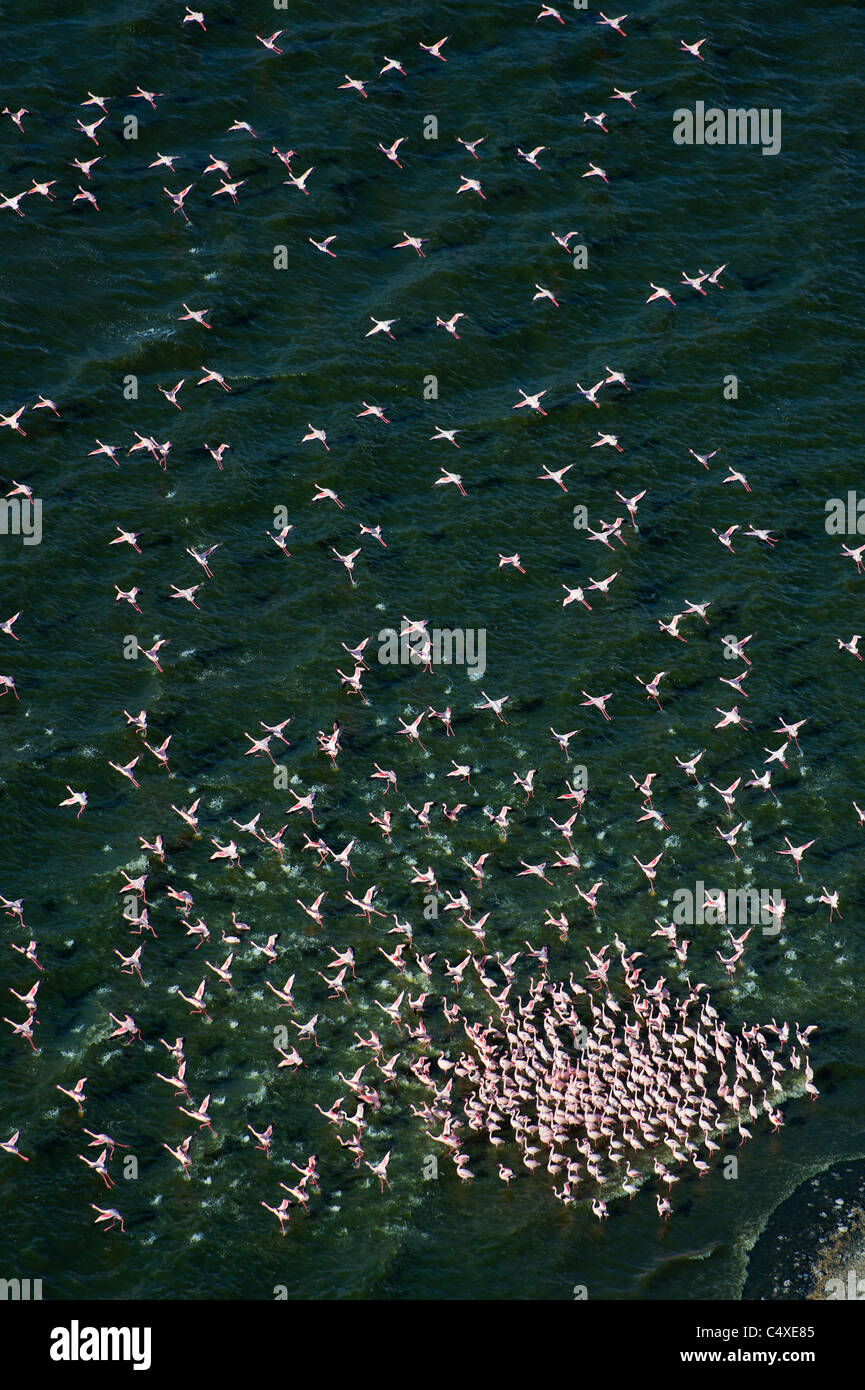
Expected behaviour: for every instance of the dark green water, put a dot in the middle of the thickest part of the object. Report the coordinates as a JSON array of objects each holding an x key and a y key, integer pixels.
[{"x": 89, "y": 298}]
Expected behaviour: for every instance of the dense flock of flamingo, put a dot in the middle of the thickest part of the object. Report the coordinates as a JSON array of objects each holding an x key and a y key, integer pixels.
[{"x": 601, "y": 1079}]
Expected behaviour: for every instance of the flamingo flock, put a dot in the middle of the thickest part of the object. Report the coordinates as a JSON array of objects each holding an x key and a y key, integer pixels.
[{"x": 510, "y": 1066}]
